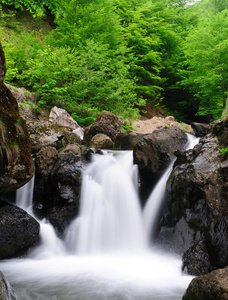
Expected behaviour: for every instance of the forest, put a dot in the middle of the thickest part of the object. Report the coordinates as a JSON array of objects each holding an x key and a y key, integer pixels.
[{"x": 122, "y": 56}]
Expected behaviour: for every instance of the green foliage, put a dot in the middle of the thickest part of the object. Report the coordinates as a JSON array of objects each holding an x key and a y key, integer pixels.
[
  {"x": 88, "y": 76},
  {"x": 117, "y": 55},
  {"x": 224, "y": 150},
  {"x": 32, "y": 106},
  {"x": 206, "y": 62},
  {"x": 37, "y": 8}
]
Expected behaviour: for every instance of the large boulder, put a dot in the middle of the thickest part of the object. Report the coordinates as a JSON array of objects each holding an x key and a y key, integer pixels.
[
  {"x": 16, "y": 164},
  {"x": 18, "y": 230},
  {"x": 6, "y": 291},
  {"x": 127, "y": 140},
  {"x": 213, "y": 286},
  {"x": 62, "y": 118},
  {"x": 101, "y": 141},
  {"x": 155, "y": 151},
  {"x": 201, "y": 129},
  {"x": 57, "y": 184},
  {"x": 44, "y": 133},
  {"x": 195, "y": 218},
  {"x": 106, "y": 123},
  {"x": 66, "y": 178}
]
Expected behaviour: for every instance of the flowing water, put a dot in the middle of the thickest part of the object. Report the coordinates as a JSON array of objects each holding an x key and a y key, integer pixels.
[{"x": 105, "y": 253}]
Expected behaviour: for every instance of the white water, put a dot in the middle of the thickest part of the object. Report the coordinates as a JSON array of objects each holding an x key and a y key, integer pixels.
[
  {"x": 154, "y": 203},
  {"x": 105, "y": 253}
]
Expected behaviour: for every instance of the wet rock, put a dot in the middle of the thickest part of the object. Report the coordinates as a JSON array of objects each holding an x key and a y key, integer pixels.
[
  {"x": 127, "y": 140},
  {"x": 213, "y": 286},
  {"x": 18, "y": 230},
  {"x": 196, "y": 260},
  {"x": 61, "y": 117},
  {"x": 196, "y": 206},
  {"x": 6, "y": 291},
  {"x": 101, "y": 141},
  {"x": 201, "y": 129},
  {"x": 106, "y": 123},
  {"x": 65, "y": 180},
  {"x": 155, "y": 151}
]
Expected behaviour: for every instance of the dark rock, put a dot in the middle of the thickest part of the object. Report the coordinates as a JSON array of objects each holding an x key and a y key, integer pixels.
[
  {"x": 213, "y": 286},
  {"x": 201, "y": 129},
  {"x": 65, "y": 180},
  {"x": 6, "y": 291},
  {"x": 196, "y": 260},
  {"x": 155, "y": 151},
  {"x": 196, "y": 207},
  {"x": 106, "y": 123},
  {"x": 101, "y": 141},
  {"x": 127, "y": 140},
  {"x": 18, "y": 230},
  {"x": 2, "y": 66}
]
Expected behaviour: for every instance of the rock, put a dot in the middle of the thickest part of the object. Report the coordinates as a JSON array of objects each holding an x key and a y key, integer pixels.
[
  {"x": 213, "y": 286},
  {"x": 61, "y": 117},
  {"x": 75, "y": 149},
  {"x": 2, "y": 66},
  {"x": 65, "y": 181},
  {"x": 18, "y": 230},
  {"x": 106, "y": 123},
  {"x": 80, "y": 132},
  {"x": 21, "y": 95},
  {"x": 16, "y": 164},
  {"x": 154, "y": 152},
  {"x": 196, "y": 260},
  {"x": 196, "y": 205},
  {"x": 44, "y": 133},
  {"x": 200, "y": 129},
  {"x": 45, "y": 161},
  {"x": 127, "y": 140},
  {"x": 6, "y": 291},
  {"x": 101, "y": 141}
]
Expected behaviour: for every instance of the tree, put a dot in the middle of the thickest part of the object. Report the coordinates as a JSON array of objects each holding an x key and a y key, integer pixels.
[{"x": 207, "y": 64}]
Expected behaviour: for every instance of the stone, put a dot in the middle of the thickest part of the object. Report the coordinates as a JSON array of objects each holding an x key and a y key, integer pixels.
[
  {"x": 155, "y": 151},
  {"x": 101, "y": 141},
  {"x": 18, "y": 230},
  {"x": 6, "y": 290},
  {"x": 196, "y": 205},
  {"x": 200, "y": 129},
  {"x": 106, "y": 123},
  {"x": 213, "y": 286},
  {"x": 62, "y": 118},
  {"x": 127, "y": 140}
]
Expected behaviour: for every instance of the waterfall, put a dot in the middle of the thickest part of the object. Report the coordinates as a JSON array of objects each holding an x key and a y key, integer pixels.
[
  {"x": 24, "y": 196},
  {"x": 110, "y": 214},
  {"x": 104, "y": 254},
  {"x": 154, "y": 203}
]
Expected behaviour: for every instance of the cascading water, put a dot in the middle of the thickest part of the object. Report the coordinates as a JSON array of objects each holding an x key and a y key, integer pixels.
[
  {"x": 154, "y": 203},
  {"x": 110, "y": 217},
  {"x": 104, "y": 255}
]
